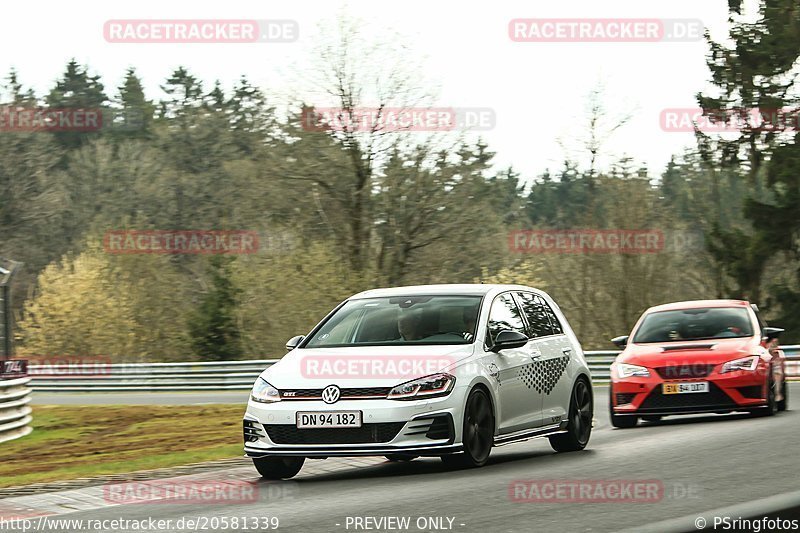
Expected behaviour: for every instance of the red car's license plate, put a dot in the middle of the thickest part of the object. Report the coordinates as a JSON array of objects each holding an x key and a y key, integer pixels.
[{"x": 685, "y": 388}]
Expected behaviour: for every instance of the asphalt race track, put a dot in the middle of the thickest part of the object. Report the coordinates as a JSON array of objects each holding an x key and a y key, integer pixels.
[{"x": 699, "y": 464}]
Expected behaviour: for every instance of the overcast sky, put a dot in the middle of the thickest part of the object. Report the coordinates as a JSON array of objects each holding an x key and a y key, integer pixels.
[{"x": 537, "y": 90}]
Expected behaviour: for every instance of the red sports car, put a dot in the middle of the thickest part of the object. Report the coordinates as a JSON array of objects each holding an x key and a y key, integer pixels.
[{"x": 705, "y": 356}]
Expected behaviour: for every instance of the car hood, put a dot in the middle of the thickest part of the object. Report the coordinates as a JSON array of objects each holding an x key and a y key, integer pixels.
[
  {"x": 710, "y": 351},
  {"x": 363, "y": 366}
]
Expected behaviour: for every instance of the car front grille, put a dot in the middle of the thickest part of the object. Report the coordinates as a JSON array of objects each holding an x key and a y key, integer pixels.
[
  {"x": 715, "y": 398},
  {"x": 684, "y": 371},
  {"x": 358, "y": 393},
  {"x": 366, "y": 434}
]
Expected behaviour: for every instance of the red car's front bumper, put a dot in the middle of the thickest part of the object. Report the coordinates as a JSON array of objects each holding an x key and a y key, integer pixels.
[{"x": 732, "y": 391}]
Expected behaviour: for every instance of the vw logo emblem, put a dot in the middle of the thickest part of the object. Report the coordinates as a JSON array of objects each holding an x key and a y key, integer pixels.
[{"x": 330, "y": 394}]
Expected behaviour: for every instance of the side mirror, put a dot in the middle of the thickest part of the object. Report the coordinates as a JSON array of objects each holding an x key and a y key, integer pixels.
[
  {"x": 292, "y": 343},
  {"x": 621, "y": 341},
  {"x": 508, "y": 339},
  {"x": 771, "y": 333}
]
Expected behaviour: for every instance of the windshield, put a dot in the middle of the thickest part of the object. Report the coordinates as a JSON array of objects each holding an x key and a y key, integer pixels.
[
  {"x": 400, "y": 320},
  {"x": 695, "y": 324}
]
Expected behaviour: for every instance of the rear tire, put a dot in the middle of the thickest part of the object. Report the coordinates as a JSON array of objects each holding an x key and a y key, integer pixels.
[
  {"x": 477, "y": 434},
  {"x": 619, "y": 421},
  {"x": 579, "y": 427},
  {"x": 278, "y": 467}
]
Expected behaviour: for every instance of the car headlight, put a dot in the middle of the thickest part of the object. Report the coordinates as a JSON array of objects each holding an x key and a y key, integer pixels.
[
  {"x": 745, "y": 363},
  {"x": 264, "y": 392},
  {"x": 625, "y": 370},
  {"x": 427, "y": 387}
]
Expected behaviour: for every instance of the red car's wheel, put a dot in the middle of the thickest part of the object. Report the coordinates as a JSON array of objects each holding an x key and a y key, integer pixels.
[{"x": 772, "y": 405}]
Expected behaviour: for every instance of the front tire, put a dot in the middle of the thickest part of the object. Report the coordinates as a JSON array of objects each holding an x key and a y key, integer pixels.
[
  {"x": 579, "y": 425},
  {"x": 772, "y": 405},
  {"x": 477, "y": 434},
  {"x": 278, "y": 467}
]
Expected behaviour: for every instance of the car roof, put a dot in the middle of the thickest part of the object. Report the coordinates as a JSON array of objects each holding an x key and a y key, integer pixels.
[
  {"x": 695, "y": 304},
  {"x": 471, "y": 289}
]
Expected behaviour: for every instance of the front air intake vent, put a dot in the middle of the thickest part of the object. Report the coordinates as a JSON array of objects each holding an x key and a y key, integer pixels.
[
  {"x": 436, "y": 427},
  {"x": 625, "y": 397},
  {"x": 252, "y": 431}
]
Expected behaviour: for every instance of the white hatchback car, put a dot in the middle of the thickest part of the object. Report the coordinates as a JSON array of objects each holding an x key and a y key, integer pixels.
[{"x": 437, "y": 370}]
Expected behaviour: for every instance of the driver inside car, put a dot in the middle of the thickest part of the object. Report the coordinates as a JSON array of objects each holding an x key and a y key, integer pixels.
[
  {"x": 469, "y": 316},
  {"x": 409, "y": 326},
  {"x": 733, "y": 329}
]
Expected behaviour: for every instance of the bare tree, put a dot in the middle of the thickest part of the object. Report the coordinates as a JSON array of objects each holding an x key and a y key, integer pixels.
[
  {"x": 601, "y": 125},
  {"x": 353, "y": 76}
]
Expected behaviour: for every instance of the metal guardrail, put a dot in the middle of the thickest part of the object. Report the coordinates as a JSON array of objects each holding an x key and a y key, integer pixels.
[
  {"x": 15, "y": 413},
  {"x": 230, "y": 375},
  {"x": 600, "y": 362},
  {"x": 119, "y": 377}
]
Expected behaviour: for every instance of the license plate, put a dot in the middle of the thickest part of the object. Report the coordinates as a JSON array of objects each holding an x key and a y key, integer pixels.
[
  {"x": 685, "y": 388},
  {"x": 329, "y": 419}
]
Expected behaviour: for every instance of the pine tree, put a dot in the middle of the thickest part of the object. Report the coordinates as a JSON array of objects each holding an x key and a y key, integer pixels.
[
  {"x": 186, "y": 95},
  {"x": 215, "y": 334},
  {"x": 755, "y": 73},
  {"x": 18, "y": 96},
  {"x": 137, "y": 112},
  {"x": 77, "y": 90}
]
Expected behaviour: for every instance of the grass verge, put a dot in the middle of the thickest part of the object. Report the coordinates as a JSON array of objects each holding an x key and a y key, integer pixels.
[{"x": 70, "y": 441}]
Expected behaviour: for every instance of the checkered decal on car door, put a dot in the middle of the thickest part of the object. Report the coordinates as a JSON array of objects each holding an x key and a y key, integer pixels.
[{"x": 542, "y": 376}]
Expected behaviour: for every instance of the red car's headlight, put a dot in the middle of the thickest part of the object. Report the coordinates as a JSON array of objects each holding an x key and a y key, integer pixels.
[
  {"x": 625, "y": 370},
  {"x": 745, "y": 363}
]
